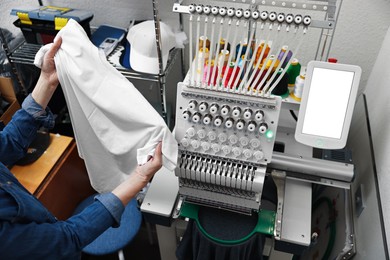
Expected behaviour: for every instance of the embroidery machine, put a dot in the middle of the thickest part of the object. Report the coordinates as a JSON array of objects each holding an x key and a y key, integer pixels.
[{"x": 231, "y": 127}]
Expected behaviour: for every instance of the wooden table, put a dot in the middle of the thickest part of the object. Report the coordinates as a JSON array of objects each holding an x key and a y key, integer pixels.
[{"x": 58, "y": 178}]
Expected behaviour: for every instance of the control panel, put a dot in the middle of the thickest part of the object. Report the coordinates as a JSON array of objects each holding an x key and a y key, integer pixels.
[
  {"x": 226, "y": 125},
  {"x": 225, "y": 141}
]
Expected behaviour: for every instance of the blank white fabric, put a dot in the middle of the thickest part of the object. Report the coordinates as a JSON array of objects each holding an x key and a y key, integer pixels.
[{"x": 115, "y": 127}]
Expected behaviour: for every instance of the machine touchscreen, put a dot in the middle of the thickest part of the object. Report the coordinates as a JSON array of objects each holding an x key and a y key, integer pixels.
[{"x": 327, "y": 104}]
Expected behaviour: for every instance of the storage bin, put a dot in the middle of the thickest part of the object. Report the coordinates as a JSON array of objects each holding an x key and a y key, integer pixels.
[{"x": 40, "y": 25}]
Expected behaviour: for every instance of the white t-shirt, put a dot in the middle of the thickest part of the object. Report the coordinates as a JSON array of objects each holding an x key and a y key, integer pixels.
[{"x": 115, "y": 127}]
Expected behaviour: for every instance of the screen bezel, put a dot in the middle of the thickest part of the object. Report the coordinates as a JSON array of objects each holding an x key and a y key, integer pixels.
[{"x": 323, "y": 141}]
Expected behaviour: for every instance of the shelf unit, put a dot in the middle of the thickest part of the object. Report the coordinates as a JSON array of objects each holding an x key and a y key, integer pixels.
[{"x": 25, "y": 54}]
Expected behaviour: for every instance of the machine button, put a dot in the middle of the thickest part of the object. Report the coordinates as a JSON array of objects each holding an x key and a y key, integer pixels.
[
  {"x": 196, "y": 117},
  {"x": 247, "y": 113},
  {"x": 259, "y": 115},
  {"x": 216, "y": 148},
  {"x": 203, "y": 107},
  {"x": 207, "y": 119},
  {"x": 199, "y": 9},
  {"x": 225, "y": 110},
  {"x": 222, "y": 11},
  {"x": 191, "y": 132},
  {"x": 230, "y": 12},
  {"x": 289, "y": 18},
  {"x": 205, "y": 146},
  {"x": 240, "y": 124},
  {"x": 222, "y": 137},
  {"x": 226, "y": 149},
  {"x": 263, "y": 128},
  {"x": 212, "y": 136},
  {"x": 192, "y": 105},
  {"x": 236, "y": 112},
  {"x": 252, "y": 126},
  {"x": 184, "y": 142},
  {"x": 206, "y": 9},
  {"x": 259, "y": 155},
  {"x": 255, "y": 143},
  {"x": 218, "y": 121},
  {"x": 191, "y": 8},
  {"x": 247, "y": 153},
  {"x": 195, "y": 144},
  {"x": 233, "y": 139},
  {"x": 201, "y": 134},
  {"x": 237, "y": 151},
  {"x": 239, "y": 13},
  {"x": 229, "y": 123},
  {"x": 186, "y": 115},
  {"x": 247, "y": 13},
  {"x": 214, "y": 108},
  {"x": 244, "y": 141},
  {"x": 264, "y": 15}
]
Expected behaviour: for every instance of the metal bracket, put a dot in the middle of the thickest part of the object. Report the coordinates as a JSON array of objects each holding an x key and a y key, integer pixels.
[
  {"x": 279, "y": 178},
  {"x": 177, "y": 209}
]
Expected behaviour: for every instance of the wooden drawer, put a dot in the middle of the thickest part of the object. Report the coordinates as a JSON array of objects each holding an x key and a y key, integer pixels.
[{"x": 58, "y": 178}]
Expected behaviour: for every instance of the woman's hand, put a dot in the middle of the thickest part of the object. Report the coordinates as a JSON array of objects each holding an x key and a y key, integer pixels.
[
  {"x": 139, "y": 178},
  {"x": 48, "y": 80},
  {"x": 146, "y": 171},
  {"x": 48, "y": 68}
]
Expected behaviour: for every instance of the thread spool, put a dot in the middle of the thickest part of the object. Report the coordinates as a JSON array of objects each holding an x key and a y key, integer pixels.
[
  {"x": 243, "y": 50},
  {"x": 256, "y": 86},
  {"x": 258, "y": 53},
  {"x": 202, "y": 39},
  {"x": 201, "y": 58},
  {"x": 281, "y": 88},
  {"x": 293, "y": 72},
  {"x": 223, "y": 58},
  {"x": 288, "y": 58},
  {"x": 269, "y": 63},
  {"x": 241, "y": 61},
  {"x": 222, "y": 43},
  {"x": 298, "y": 88},
  {"x": 280, "y": 55},
  {"x": 208, "y": 70},
  {"x": 230, "y": 74}
]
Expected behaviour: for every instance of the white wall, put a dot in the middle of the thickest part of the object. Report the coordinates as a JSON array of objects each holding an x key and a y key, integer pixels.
[
  {"x": 378, "y": 95},
  {"x": 117, "y": 13},
  {"x": 360, "y": 31}
]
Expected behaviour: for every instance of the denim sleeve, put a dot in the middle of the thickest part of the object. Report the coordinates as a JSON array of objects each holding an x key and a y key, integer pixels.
[
  {"x": 16, "y": 136},
  {"x": 113, "y": 204},
  {"x": 45, "y": 117},
  {"x": 59, "y": 240}
]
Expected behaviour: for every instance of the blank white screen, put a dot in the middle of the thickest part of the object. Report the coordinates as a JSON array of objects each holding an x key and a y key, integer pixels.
[{"x": 327, "y": 102}]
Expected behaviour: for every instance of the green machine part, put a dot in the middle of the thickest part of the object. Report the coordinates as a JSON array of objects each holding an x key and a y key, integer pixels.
[{"x": 265, "y": 223}]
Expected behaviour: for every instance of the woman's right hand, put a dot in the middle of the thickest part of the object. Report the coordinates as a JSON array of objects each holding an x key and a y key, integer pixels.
[
  {"x": 146, "y": 171},
  {"x": 139, "y": 178}
]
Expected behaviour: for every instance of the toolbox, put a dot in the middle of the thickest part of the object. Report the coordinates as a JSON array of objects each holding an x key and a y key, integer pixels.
[{"x": 40, "y": 25}]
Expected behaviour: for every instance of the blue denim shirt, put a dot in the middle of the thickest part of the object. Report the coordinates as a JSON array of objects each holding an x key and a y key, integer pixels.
[{"x": 27, "y": 229}]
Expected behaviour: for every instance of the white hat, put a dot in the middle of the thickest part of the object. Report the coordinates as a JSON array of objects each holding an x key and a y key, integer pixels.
[{"x": 143, "y": 48}]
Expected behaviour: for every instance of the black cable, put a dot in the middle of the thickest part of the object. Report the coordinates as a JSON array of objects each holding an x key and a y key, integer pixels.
[{"x": 293, "y": 115}]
